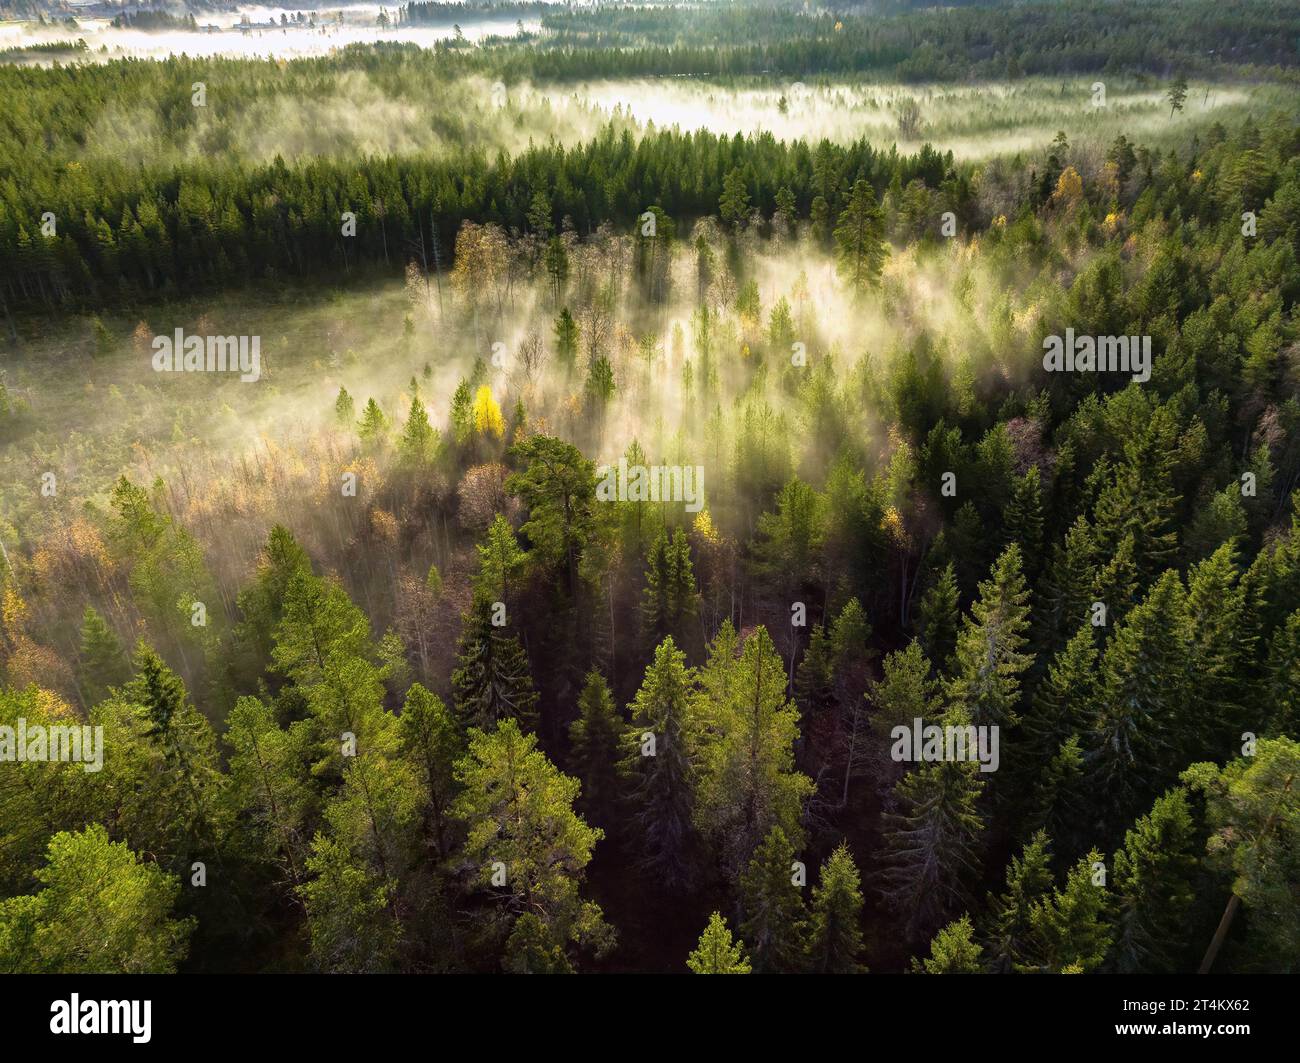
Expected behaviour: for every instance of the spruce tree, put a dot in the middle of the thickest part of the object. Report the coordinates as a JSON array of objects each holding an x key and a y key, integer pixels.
[
  {"x": 716, "y": 953},
  {"x": 1142, "y": 691},
  {"x": 657, "y": 766},
  {"x": 938, "y": 618},
  {"x": 989, "y": 655},
  {"x": 1154, "y": 883},
  {"x": 492, "y": 681},
  {"x": 103, "y": 663},
  {"x": 596, "y": 740},
  {"x": 1070, "y": 932},
  {"x": 954, "y": 950},
  {"x": 773, "y": 906},
  {"x": 930, "y": 857},
  {"x": 835, "y": 934},
  {"x": 1029, "y": 877}
]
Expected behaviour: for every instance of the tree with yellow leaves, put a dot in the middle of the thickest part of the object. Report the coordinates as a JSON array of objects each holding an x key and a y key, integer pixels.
[
  {"x": 487, "y": 414},
  {"x": 1069, "y": 188}
]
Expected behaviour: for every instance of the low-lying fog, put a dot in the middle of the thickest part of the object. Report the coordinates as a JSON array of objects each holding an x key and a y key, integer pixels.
[{"x": 221, "y": 33}]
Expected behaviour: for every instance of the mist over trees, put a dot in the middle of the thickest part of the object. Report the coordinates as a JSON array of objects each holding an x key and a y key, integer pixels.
[{"x": 399, "y": 669}]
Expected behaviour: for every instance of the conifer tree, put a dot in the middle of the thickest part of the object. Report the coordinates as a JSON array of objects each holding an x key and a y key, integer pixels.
[
  {"x": 1024, "y": 520},
  {"x": 1068, "y": 587},
  {"x": 373, "y": 425},
  {"x": 670, "y": 601},
  {"x": 954, "y": 950},
  {"x": 418, "y": 445},
  {"x": 596, "y": 740},
  {"x": 859, "y": 239},
  {"x": 1154, "y": 873},
  {"x": 658, "y": 769},
  {"x": 344, "y": 407},
  {"x": 191, "y": 779},
  {"x": 100, "y": 909},
  {"x": 716, "y": 953},
  {"x": 1070, "y": 932},
  {"x": 103, "y": 663},
  {"x": 746, "y": 777},
  {"x": 1029, "y": 877},
  {"x": 269, "y": 771},
  {"x": 938, "y": 618},
  {"x": 492, "y": 681},
  {"x": 500, "y": 563},
  {"x": 775, "y": 914},
  {"x": 1063, "y": 703},
  {"x": 1141, "y": 694},
  {"x": 930, "y": 858},
  {"x": 518, "y": 812},
  {"x": 835, "y": 934},
  {"x": 431, "y": 741},
  {"x": 349, "y": 912},
  {"x": 989, "y": 661},
  {"x": 1252, "y": 808}
]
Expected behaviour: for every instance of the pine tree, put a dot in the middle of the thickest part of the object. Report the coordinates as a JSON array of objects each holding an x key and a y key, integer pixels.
[
  {"x": 518, "y": 811},
  {"x": 100, "y": 910},
  {"x": 774, "y": 909},
  {"x": 595, "y": 737},
  {"x": 566, "y": 338},
  {"x": 530, "y": 949},
  {"x": 269, "y": 768},
  {"x": 657, "y": 766},
  {"x": 715, "y": 953},
  {"x": 1252, "y": 808},
  {"x": 103, "y": 663},
  {"x": 835, "y": 936},
  {"x": 431, "y": 741},
  {"x": 349, "y": 912},
  {"x": 954, "y": 950},
  {"x": 733, "y": 206},
  {"x": 859, "y": 239},
  {"x": 746, "y": 777}
]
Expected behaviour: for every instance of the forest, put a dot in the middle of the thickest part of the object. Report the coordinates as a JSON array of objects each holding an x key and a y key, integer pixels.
[{"x": 368, "y": 648}]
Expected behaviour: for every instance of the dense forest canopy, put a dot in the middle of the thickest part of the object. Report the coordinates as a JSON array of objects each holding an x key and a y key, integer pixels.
[{"x": 379, "y": 652}]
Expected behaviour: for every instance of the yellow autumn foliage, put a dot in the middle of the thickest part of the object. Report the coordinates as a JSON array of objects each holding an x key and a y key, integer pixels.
[{"x": 487, "y": 414}]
